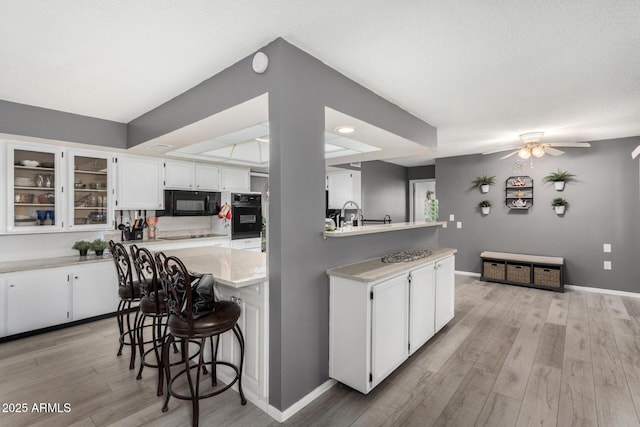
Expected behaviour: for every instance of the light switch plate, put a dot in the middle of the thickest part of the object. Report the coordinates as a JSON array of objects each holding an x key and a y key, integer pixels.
[
  {"x": 444, "y": 225},
  {"x": 606, "y": 247},
  {"x": 452, "y": 217},
  {"x": 607, "y": 265},
  {"x": 459, "y": 224}
]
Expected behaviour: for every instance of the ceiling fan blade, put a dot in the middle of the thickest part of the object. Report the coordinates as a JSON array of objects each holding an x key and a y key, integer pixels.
[
  {"x": 553, "y": 151},
  {"x": 499, "y": 150},
  {"x": 509, "y": 155},
  {"x": 636, "y": 152},
  {"x": 569, "y": 144}
]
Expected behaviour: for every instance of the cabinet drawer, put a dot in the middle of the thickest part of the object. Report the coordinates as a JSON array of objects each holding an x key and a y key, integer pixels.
[
  {"x": 494, "y": 270},
  {"x": 519, "y": 273},
  {"x": 546, "y": 276}
]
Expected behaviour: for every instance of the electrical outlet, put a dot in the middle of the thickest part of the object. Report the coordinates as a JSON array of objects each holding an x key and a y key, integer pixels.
[
  {"x": 452, "y": 217},
  {"x": 606, "y": 247},
  {"x": 459, "y": 224},
  {"x": 444, "y": 225},
  {"x": 607, "y": 265}
]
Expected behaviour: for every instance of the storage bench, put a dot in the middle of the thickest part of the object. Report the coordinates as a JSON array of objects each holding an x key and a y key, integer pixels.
[{"x": 535, "y": 271}]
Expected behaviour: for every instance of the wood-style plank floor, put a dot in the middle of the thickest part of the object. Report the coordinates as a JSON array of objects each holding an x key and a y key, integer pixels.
[{"x": 511, "y": 357}]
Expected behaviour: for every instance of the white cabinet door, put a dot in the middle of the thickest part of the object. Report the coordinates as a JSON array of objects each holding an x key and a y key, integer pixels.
[
  {"x": 139, "y": 183},
  {"x": 445, "y": 291},
  {"x": 178, "y": 175},
  {"x": 37, "y": 299},
  {"x": 94, "y": 290},
  {"x": 89, "y": 191},
  {"x": 207, "y": 177},
  {"x": 234, "y": 179},
  {"x": 389, "y": 327},
  {"x": 3, "y": 305},
  {"x": 343, "y": 187},
  {"x": 422, "y": 296}
]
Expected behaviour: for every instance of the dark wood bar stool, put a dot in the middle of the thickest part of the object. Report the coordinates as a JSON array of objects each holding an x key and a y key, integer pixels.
[
  {"x": 130, "y": 292},
  {"x": 177, "y": 285}
]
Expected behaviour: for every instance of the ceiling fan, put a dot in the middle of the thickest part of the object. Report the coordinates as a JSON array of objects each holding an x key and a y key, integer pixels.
[{"x": 533, "y": 147}]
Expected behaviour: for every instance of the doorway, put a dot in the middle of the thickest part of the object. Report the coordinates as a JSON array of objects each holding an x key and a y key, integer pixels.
[{"x": 419, "y": 188}]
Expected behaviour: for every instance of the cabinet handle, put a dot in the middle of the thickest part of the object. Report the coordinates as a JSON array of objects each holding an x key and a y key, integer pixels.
[{"x": 75, "y": 277}]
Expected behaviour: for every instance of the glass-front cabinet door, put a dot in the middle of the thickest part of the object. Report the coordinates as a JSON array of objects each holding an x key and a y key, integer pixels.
[
  {"x": 90, "y": 190},
  {"x": 34, "y": 189}
]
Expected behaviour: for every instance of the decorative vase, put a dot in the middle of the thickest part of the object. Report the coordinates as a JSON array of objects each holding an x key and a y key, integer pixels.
[
  {"x": 83, "y": 252},
  {"x": 486, "y": 210},
  {"x": 559, "y": 185},
  {"x": 559, "y": 209},
  {"x": 484, "y": 188}
]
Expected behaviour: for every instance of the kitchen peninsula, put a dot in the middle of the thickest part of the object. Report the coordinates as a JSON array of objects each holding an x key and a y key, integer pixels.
[{"x": 380, "y": 228}]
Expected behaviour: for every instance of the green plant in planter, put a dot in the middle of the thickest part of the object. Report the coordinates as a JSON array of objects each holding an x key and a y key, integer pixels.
[
  {"x": 483, "y": 182},
  {"x": 485, "y": 204},
  {"x": 83, "y": 246},
  {"x": 559, "y": 205},
  {"x": 99, "y": 246},
  {"x": 559, "y": 178}
]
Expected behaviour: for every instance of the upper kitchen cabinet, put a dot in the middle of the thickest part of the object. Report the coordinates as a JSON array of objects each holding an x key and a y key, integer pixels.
[
  {"x": 90, "y": 190},
  {"x": 139, "y": 183},
  {"x": 234, "y": 179},
  {"x": 34, "y": 188},
  {"x": 191, "y": 176},
  {"x": 343, "y": 187}
]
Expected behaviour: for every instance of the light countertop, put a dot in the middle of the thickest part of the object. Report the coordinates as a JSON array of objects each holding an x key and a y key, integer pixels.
[
  {"x": 380, "y": 228},
  {"x": 374, "y": 269},
  {"x": 230, "y": 267},
  {"x": 36, "y": 264}
]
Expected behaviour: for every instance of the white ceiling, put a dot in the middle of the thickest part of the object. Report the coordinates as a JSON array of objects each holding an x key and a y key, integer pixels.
[{"x": 481, "y": 72}]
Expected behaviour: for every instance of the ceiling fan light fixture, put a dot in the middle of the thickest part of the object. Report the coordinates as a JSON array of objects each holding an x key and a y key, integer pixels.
[
  {"x": 524, "y": 153},
  {"x": 530, "y": 137},
  {"x": 538, "y": 151}
]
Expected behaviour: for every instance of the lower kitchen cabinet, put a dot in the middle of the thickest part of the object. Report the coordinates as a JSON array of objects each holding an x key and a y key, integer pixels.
[
  {"x": 375, "y": 325},
  {"x": 40, "y": 298},
  {"x": 254, "y": 324},
  {"x": 37, "y": 299},
  {"x": 94, "y": 289}
]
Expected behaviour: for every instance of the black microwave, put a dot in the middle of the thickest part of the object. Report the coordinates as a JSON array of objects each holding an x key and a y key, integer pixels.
[{"x": 190, "y": 203}]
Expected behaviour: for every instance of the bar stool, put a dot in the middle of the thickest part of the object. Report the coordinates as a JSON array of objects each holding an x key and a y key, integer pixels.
[
  {"x": 130, "y": 292},
  {"x": 176, "y": 283}
]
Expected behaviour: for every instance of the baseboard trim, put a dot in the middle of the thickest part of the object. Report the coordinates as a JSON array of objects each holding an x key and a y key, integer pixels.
[
  {"x": 468, "y": 273},
  {"x": 282, "y": 416},
  {"x": 603, "y": 291}
]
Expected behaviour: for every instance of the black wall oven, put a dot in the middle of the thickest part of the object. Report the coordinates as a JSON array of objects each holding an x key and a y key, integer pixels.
[
  {"x": 190, "y": 203},
  {"x": 246, "y": 215}
]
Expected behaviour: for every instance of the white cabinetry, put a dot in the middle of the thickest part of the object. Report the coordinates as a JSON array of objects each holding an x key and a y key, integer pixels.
[
  {"x": 94, "y": 290},
  {"x": 139, "y": 183},
  {"x": 37, "y": 299},
  {"x": 89, "y": 191},
  {"x": 235, "y": 179},
  {"x": 254, "y": 324},
  {"x": 343, "y": 187},
  {"x": 374, "y": 326},
  {"x": 40, "y": 298},
  {"x": 191, "y": 176}
]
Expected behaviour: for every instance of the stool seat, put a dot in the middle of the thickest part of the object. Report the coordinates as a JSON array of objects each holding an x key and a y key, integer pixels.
[
  {"x": 130, "y": 292},
  {"x": 148, "y": 305},
  {"x": 224, "y": 317}
]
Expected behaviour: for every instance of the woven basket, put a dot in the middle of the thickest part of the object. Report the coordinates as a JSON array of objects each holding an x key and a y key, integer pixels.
[
  {"x": 494, "y": 270},
  {"x": 518, "y": 273},
  {"x": 546, "y": 276}
]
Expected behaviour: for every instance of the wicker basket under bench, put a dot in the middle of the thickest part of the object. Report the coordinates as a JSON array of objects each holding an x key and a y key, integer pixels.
[{"x": 535, "y": 271}]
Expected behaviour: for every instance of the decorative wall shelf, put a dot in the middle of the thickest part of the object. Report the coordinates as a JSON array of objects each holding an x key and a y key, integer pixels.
[{"x": 519, "y": 192}]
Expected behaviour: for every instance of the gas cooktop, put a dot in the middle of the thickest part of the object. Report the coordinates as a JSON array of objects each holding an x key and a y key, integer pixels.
[{"x": 193, "y": 236}]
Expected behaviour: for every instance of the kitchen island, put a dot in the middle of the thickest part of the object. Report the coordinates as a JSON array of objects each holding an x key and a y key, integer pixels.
[
  {"x": 381, "y": 313},
  {"x": 349, "y": 231}
]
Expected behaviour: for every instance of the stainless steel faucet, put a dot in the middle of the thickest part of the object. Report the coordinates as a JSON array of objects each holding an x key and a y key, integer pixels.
[{"x": 358, "y": 212}]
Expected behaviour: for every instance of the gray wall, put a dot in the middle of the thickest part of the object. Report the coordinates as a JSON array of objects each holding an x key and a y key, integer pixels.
[
  {"x": 604, "y": 207},
  {"x": 421, "y": 172},
  {"x": 384, "y": 191},
  {"x": 27, "y": 120}
]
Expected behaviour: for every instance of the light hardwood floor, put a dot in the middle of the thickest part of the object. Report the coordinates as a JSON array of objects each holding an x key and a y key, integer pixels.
[{"x": 511, "y": 357}]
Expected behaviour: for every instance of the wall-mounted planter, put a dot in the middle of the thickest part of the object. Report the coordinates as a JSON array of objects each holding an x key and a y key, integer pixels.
[
  {"x": 486, "y": 210},
  {"x": 559, "y": 205},
  {"x": 483, "y": 182},
  {"x": 559, "y": 185},
  {"x": 559, "y": 178},
  {"x": 559, "y": 209},
  {"x": 484, "y": 188}
]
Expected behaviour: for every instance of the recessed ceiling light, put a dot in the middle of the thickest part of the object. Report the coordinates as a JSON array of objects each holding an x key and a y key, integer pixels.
[
  {"x": 159, "y": 147},
  {"x": 345, "y": 129},
  {"x": 262, "y": 139}
]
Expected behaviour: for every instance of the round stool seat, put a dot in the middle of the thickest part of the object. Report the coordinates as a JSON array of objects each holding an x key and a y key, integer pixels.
[
  {"x": 148, "y": 305},
  {"x": 130, "y": 292},
  {"x": 224, "y": 317}
]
